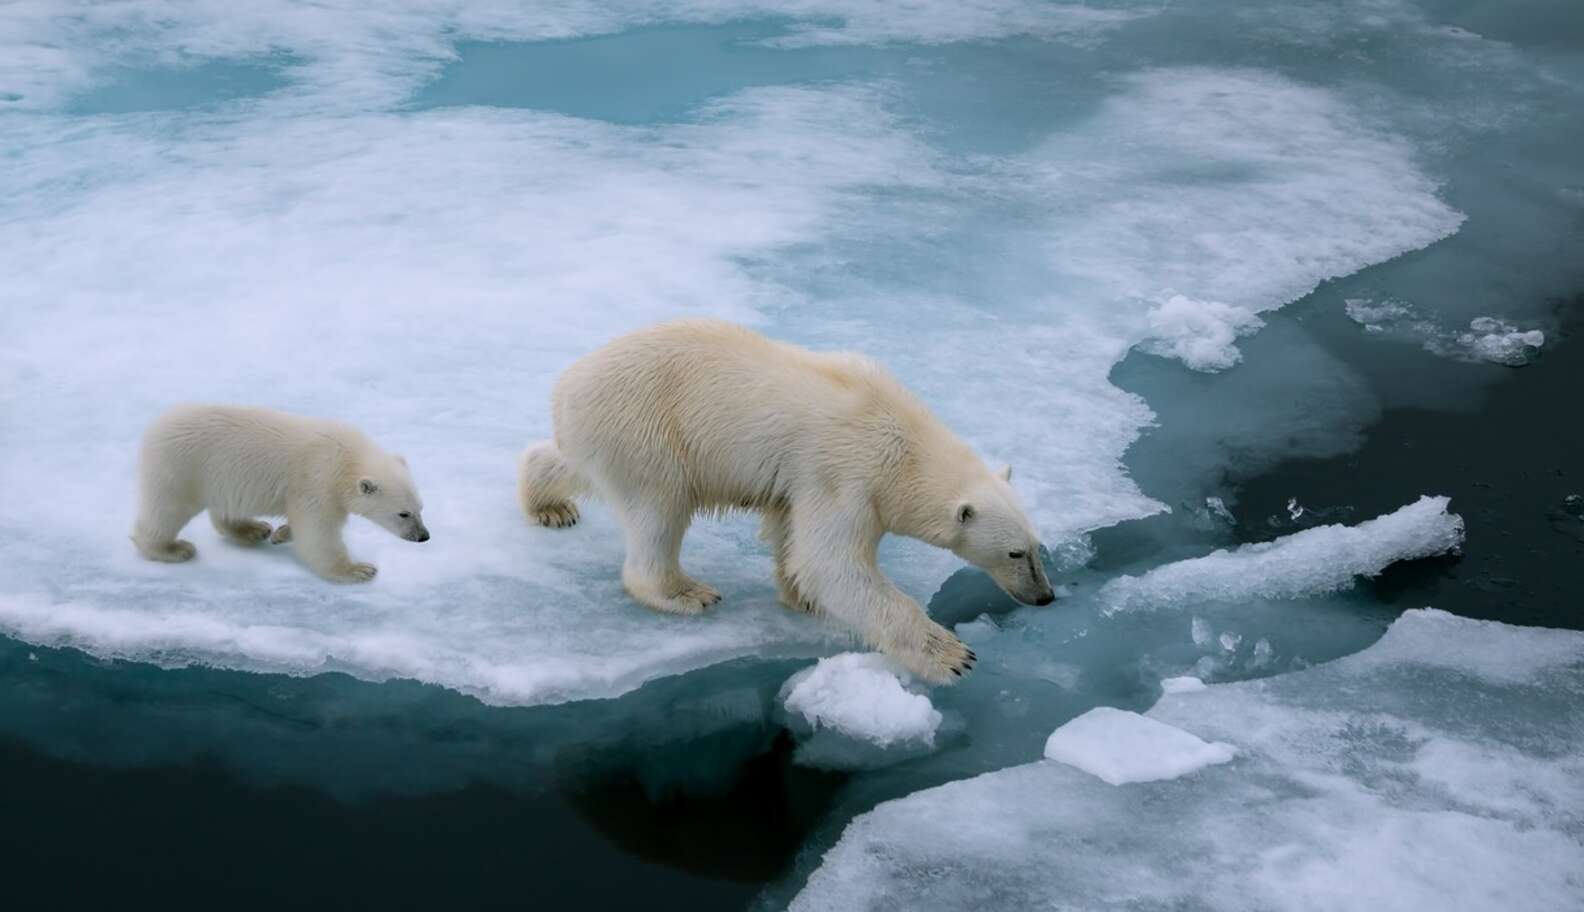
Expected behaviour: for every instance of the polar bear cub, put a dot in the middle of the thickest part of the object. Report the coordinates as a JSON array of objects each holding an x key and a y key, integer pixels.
[
  {"x": 240, "y": 463},
  {"x": 829, "y": 447}
]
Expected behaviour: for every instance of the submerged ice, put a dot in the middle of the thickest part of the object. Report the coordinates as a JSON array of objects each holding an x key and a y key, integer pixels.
[{"x": 1363, "y": 783}]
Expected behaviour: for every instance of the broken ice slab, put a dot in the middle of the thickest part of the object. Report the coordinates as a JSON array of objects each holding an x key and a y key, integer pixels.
[
  {"x": 1442, "y": 768},
  {"x": 1120, "y": 747}
]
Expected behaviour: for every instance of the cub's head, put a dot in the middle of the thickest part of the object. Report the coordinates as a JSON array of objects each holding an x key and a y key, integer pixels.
[
  {"x": 386, "y": 494},
  {"x": 993, "y": 534}
]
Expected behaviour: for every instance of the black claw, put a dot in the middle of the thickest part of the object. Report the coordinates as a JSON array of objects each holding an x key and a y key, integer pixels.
[
  {"x": 972, "y": 655},
  {"x": 957, "y": 672}
]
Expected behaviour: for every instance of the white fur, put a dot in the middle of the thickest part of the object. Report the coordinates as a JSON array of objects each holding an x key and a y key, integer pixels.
[
  {"x": 240, "y": 463},
  {"x": 708, "y": 416}
]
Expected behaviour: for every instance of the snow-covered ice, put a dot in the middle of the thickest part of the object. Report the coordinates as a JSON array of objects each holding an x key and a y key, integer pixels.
[
  {"x": 1369, "y": 782},
  {"x": 1122, "y": 747},
  {"x": 1310, "y": 562},
  {"x": 858, "y": 709},
  {"x": 302, "y": 249}
]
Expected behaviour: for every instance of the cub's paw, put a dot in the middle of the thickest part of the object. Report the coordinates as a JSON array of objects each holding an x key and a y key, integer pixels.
[
  {"x": 178, "y": 551},
  {"x": 281, "y": 535},
  {"x": 248, "y": 531},
  {"x": 556, "y": 515},
  {"x": 355, "y": 573}
]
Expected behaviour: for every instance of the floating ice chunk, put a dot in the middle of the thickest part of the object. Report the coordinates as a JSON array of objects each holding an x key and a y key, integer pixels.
[
  {"x": 1486, "y": 339},
  {"x": 1369, "y": 313},
  {"x": 1314, "y": 561},
  {"x": 1200, "y": 334},
  {"x": 1500, "y": 342},
  {"x": 847, "y": 706},
  {"x": 1121, "y": 747},
  {"x": 1183, "y": 684},
  {"x": 1405, "y": 777}
]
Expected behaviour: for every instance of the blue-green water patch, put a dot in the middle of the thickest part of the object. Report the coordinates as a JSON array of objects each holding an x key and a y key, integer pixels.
[
  {"x": 131, "y": 89},
  {"x": 985, "y": 97}
]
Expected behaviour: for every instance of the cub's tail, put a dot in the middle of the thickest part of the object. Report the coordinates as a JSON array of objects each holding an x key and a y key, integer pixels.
[{"x": 547, "y": 486}]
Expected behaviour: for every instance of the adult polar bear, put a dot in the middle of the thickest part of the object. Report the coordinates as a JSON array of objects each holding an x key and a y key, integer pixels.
[{"x": 833, "y": 450}]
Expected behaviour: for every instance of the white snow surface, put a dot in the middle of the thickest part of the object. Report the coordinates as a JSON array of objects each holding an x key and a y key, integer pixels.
[
  {"x": 1120, "y": 747},
  {"x": 1311, "y": 562},
  {"x": 1371, "y": 782},
  {"x": 426, "y": 274}
]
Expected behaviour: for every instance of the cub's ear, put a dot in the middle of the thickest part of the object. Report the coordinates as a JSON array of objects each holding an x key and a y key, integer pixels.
[
  {"x": 367, "y": 486},
  {"x": 965, "y": 512},
  {"x": 1006, "y": 473},
  {"x": 403, "y": 460}
]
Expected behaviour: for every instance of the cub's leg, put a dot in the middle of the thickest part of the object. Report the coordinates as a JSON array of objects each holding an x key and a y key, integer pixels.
[
  {"x": 162, "y": 512},
  {"x": 241, "y": 531},
  {"x": 776, "y": 531},
  {"x": 832, "y": 558},
  {"x": 317, "y": 540},
  {"x": 652, "y": 572}
]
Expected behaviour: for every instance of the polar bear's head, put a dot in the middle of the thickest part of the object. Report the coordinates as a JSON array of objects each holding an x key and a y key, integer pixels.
[
  {"x": 995, "y": 536},
  {"x": 386, "y": 495}
]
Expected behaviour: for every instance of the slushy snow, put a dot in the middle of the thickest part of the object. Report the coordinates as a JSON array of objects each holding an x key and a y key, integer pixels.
[
  {"x": 1122, "y": 747},
  {"x": 1311, "y": 562},
  {"x": 1442, "y": 768}
]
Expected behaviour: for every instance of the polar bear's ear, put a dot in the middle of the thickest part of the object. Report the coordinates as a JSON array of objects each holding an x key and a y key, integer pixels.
[
  {"x": 965, "y": 512},
  {"x": 403, "y": 460},
  {"x": 367, "y": 486},
  {"x": 1005, "y": 473}
]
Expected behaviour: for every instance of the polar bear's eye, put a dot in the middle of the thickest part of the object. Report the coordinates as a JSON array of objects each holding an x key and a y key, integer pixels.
[
  {"x": 1017, "y": 555},
  {"x": 404, "y": 515}
]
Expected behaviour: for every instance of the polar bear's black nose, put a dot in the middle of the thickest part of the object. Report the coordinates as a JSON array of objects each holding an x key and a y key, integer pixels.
[
  {"x": 423, "y": 535},
  {"x": 1045, "y": 599}
]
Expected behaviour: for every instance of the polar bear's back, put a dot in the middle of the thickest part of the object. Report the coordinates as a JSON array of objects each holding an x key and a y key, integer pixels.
[
  {"x": 239, "y": 460},
  {"x": 729, "y": 415}
]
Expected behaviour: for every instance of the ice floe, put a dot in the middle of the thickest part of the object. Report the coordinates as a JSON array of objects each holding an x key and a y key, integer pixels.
[
  {"x": 1310, "y": 562},
  {"x": 1441, "y": 768}
]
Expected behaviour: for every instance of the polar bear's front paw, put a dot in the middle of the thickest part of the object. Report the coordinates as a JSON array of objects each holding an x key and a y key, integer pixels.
[
  {"x": 937, "y": 656},
  {"x": 557, "y": 515},
  {"x": 355, "y": 573},
  {"x": 281, "y": 535}
]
